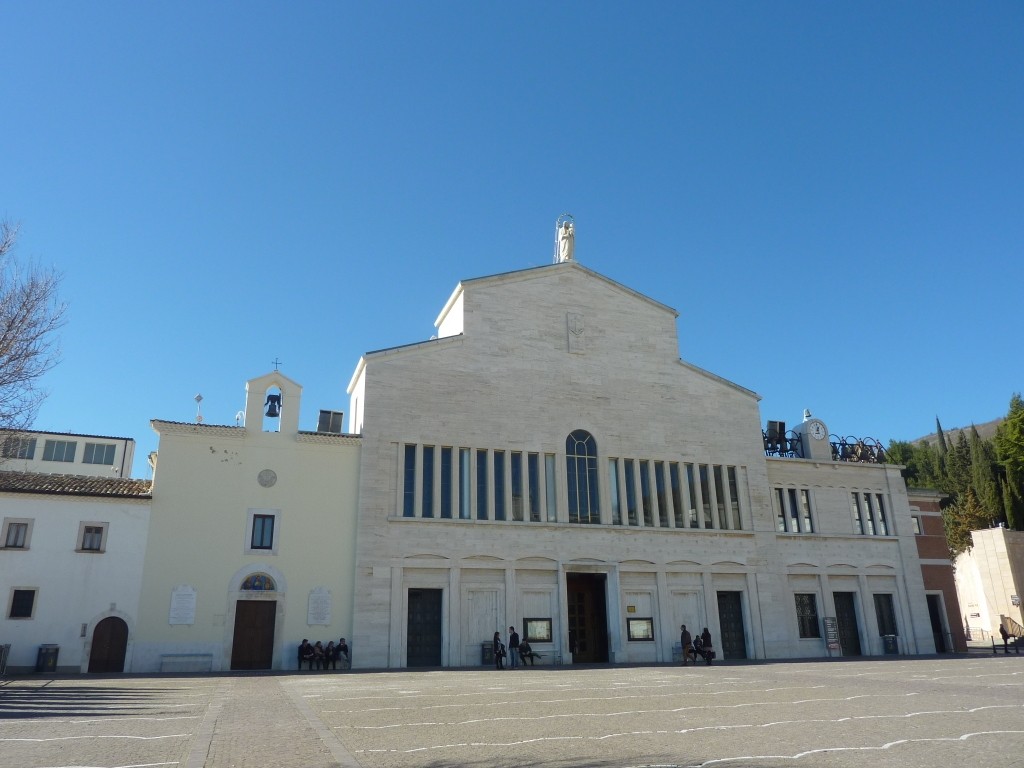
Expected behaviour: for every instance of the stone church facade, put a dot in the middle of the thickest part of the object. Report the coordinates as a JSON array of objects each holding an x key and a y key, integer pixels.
[{"x": 549, "y": 462}]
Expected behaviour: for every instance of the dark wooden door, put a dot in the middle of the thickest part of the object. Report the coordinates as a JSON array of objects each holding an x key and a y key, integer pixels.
[
  {"x": 846, "y": 621},
  {"x": 423, "y": 646},
  {"x": 730, "y": 623},
  {"x": 109, "y": 644},
  {"x": 253, "y": 644},
  {"x": 588, "y": 617},
  {"x": 935, "y": 615}
]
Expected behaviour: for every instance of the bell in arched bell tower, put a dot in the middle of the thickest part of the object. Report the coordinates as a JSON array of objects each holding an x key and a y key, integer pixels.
[{"x": 273, "y": 406}]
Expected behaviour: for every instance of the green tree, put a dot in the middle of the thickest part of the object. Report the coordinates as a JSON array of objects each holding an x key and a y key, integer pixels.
[
  {"x": 1009, "y": 444},
  {"x": 957, "y": 477},
  {"x": 940, "y": 438},
  {"x": 902, "y": 452},
  {"x": 921, "y": 461},
  {"x": 960, "y": 518},
  {"x": 983, "y": 475},
  {"x": 1013, "y": 504}
]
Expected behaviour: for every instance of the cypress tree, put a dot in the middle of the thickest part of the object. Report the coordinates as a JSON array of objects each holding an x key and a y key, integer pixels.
[
  {"x": 983, "y": 475},
  {"x": 1013, "y": 505},
  {"x": 957, "y": 477},
  {"x": 1009, "y": 444}
]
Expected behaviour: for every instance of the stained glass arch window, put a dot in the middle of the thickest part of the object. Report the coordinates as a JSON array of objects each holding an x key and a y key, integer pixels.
[{"x": 259, "y": 582}]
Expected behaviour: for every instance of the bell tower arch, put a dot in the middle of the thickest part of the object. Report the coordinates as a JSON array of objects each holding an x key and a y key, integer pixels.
[{"x": 269, "y": 394}]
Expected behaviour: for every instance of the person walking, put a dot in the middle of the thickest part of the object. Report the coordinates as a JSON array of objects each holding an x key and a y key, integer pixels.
[
  {"x": 685, "y": 640},
  {"x": 513, "y": 648},
  {"x": 1006, "y": 637}
]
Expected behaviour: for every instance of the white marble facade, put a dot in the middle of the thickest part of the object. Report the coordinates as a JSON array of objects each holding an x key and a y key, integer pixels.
[
  {"x": 472, "y": 518},
  {"x": 988, "y": 578}
]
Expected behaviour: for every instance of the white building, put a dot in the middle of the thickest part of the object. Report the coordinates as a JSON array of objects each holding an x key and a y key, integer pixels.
[
  {"x": 252, "y": 538},
  {"x": 549, "y": 463},
  {"x": 66, "y": 453},
  {"x": 990, "y": 582},
  {"x": 71, "y": 558}
]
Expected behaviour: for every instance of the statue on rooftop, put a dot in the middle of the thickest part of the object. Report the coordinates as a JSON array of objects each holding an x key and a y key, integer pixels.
[{"x": 565, "y": 238}]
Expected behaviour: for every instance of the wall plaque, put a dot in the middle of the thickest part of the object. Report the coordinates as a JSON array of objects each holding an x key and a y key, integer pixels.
[
  {"x": 183, "y": 605},
  {"x": 319, "y": 607},
  {"x": 831, "y": 633}
]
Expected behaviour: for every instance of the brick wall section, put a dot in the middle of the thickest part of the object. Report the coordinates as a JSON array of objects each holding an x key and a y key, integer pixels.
[
  {"x": 940, "y": 578},
  {"x": 936, "y": 568}
]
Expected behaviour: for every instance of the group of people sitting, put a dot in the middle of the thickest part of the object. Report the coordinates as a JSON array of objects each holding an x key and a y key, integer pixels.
[
  {"x": 697, "y": 646},
  {"x": 324, "y": 657}
]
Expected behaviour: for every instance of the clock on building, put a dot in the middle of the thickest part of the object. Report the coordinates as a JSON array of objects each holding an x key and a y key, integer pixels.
[{"x": 817, "y": 430}]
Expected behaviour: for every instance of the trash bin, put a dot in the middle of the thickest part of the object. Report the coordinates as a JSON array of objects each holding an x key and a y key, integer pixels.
[
  {"x": 46, "y": 660},
  {"x": 890, "y": 643},
  {"x": 487, "y": 653}
]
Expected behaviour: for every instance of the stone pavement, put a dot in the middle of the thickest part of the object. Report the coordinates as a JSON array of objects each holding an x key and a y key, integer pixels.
[{"x": 841, "y": 713}]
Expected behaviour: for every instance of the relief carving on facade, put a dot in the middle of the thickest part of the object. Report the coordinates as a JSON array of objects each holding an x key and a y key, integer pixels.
[{"x": 576, "y": 328}]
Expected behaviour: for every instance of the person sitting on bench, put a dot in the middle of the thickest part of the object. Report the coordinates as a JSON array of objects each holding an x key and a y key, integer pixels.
[{"x": 526, "y": 652}]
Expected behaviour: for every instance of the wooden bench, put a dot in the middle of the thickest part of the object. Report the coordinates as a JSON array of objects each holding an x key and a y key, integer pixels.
[
  {"x": 556, "y": 657},
  {"x": 530, "y": 656},
  {"x": 186, "y": 662}
]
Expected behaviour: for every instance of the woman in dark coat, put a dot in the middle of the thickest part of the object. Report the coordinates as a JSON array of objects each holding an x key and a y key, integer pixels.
[
  {"x": 499, "y": 652},
  {"x": 331, "y": 656},
  {"x": 707, "y": 645}
]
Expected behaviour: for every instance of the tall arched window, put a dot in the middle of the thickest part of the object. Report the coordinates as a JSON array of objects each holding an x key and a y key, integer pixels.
[{"x": 581, "y": 475}]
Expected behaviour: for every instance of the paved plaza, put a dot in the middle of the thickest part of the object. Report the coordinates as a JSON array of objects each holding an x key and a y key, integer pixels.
[{"x": 966, "y": 710}]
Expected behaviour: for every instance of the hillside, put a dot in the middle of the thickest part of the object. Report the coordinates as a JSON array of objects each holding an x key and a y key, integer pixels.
[{"x": 987, "y": 431}]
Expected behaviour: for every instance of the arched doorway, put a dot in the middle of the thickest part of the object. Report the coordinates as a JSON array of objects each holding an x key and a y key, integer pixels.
[
  {"x": 109, "y": 644},
  {"x": 252, "y": 643}
]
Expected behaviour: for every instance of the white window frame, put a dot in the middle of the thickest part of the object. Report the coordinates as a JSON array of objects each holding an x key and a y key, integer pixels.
[
  {"x": 8, "y": 522},
  {"x": 250, "y": 517},
  {"x": 17, "y": 447},
  {"x": 80, "y": 542},
  {"x": 52, "y": 445},
  {"x": 89, "y": 453},
  {"x": 10, "y": 603}
]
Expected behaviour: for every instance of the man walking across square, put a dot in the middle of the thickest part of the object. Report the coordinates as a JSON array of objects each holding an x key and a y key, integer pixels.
[{"x": 513, "y": 648}]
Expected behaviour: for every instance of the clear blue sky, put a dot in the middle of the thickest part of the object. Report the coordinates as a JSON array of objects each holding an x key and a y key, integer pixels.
[{"x": 830, "y": 194}]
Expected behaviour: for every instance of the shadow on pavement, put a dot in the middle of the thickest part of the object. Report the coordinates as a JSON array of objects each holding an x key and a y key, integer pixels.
[{"x": 54, "y": 700}]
